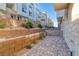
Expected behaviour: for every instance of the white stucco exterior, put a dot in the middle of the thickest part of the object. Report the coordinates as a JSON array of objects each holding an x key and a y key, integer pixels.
[
  {"x": 71, "y": 27},
  {"x": 3, "y": 6},
  {"x": 24, "y": 11}
]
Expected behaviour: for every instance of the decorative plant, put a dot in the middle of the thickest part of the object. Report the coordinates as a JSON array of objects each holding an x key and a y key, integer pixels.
[
  {"x": 2, "y": 25},
  {"x": 29, "y": 24},
  {"x": 40, "y": 26}
]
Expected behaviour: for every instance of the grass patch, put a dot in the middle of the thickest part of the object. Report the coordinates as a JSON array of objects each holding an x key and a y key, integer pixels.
[
  {"x": 29, "y": 46},
  {"x": 2, "y": 25}
]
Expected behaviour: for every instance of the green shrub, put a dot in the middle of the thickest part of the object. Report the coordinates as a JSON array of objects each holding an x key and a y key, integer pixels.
[
  {"x": 29, "y": 46},
  {"x": 40, "y": 26},
  {"x": 28, "y": 24},
  {"x": 2, "y": 25}
]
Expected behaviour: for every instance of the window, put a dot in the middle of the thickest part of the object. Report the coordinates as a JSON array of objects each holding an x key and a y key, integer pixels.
[
  {"x": 39, "y": 17},
  {"x": 24, "y": 8},
  {"x": 42, "y": 19},
  {"x": 10, "y": 5},
  {"x": 12, "y": 16},
  {"x": 18, "y": 17},
  {"x": 31, "y": 6},
  {"x": 30, "y": 13}
]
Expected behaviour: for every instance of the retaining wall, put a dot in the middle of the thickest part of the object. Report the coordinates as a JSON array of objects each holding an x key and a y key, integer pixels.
[{"x": 13, "y": 45}]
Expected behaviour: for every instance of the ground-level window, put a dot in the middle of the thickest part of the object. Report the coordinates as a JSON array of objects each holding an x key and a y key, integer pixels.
[
  {"x": 30, "y": 13},
  {"x": 42, "y": 19}
]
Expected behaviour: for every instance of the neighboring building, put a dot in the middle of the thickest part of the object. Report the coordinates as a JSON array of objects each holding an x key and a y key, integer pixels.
[
  {"x": 68, "y": 17},
  {"x": 43, "y": 19},
  {"x": 2, "y": 8},
  {"x": 50, "y": 22},
  {"x": 38, "y": 14},
  {"x": 23, "y": 12},
  {"x": 18, "y": 10}
]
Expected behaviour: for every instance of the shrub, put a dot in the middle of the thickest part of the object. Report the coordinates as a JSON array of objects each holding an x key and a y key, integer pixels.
[
  {"x": 28, "y": 24},
  {"x": 2, "y": 25},
  {"x": 29, "y": 46},
  {"x": 40, "y": 26}
]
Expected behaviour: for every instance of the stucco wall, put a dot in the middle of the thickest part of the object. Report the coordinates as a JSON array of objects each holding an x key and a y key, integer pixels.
[
  {"x": 71, "y": 28},
  {"x": 3, "y": 6},
  {"x": 65, "y": 25},
  {"x": 75, "y": 27},
  {"x": 19, "y": 10},
  {"x": 67, "y": 31}
]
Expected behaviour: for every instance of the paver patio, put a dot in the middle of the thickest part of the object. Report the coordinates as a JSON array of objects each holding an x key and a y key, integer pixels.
[{"x": 50, "y": 46}]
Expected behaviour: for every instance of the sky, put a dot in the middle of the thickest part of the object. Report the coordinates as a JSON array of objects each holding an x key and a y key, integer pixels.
[{"x": 49, "y": 9}]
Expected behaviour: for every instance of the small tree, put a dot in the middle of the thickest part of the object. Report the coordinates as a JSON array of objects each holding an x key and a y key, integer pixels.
[{"x": 40, "y": 26}]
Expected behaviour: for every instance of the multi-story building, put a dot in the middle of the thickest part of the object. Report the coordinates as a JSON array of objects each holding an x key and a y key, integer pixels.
[
  {"x": 23, "y": 12},
  {"x": 43, "y": 19},
  {"x": 50, "y": 22},
  {"x": 17, "y": 11},
  {"x": 2, "y": 8},
  {"x": 37, "y": 12}
]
